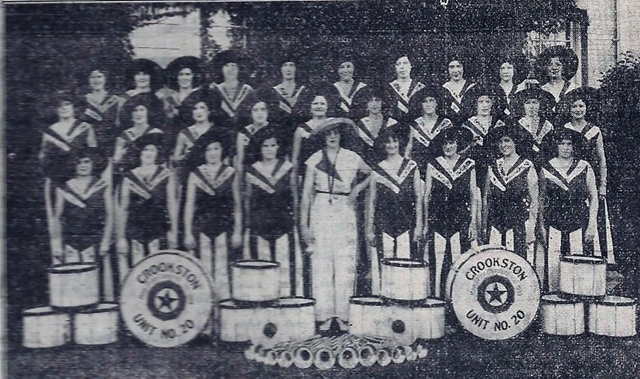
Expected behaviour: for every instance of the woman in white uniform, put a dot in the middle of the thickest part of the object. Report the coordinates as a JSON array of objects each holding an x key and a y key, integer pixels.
[{"x": 328, "y": 223}]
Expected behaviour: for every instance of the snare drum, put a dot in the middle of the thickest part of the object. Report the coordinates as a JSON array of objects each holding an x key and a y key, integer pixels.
[
  {"x": 365, "y": 315},
  {"x": 429, "y": 320},
  {"x": 291, "y": 319},
  {"x": 583, "y": 276},
  {"x": 235, "y": 320},
  {"x": 73, "y": 285},
  {"x": 404, "y": 279},
  {"x": 45, "y": 327},
  {"x": 613, "y": 316},
  {"x": 562, "y": 317},
  {"x": 255, "y": 280},
  {"x": 97, "y": 326}
]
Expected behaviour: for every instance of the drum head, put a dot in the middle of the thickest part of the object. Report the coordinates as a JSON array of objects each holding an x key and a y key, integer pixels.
[
  {"x": 166, "y": 299},
  {"x": 102, "y": 307},
  {"x": 554, "y": 298},
  {"x": 583, "y": 259},
  {"x": 39, "y": 311},
  {"x": 256, "y": 264},
  {"x": 72, "y": 268},
  {"x": 495, "y": 294},
  {"x": 366, "y": 300},
  {"x": 295, "y": 302},
  {"x": 403, "y": 262},
  {"x": 617, "y": 300}
]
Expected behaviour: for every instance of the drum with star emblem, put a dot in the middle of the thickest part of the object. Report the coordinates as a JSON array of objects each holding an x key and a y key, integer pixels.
[
  {"x": 166, "y": 299},
  {"x": 494, "y": 292}
]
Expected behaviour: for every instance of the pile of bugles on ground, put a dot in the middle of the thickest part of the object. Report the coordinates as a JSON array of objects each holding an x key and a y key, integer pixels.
[{"x": 347, "y": 350}]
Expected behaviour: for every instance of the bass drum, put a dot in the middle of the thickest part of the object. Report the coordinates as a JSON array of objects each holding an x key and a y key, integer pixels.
[
  {"x": 291, "y": 319},
  {"x": 166, "y": 299},
  {"x": 495, "y": 293}
]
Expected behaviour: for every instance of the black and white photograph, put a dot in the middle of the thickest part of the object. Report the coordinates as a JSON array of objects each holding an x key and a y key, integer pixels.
[{"x": 321, "y": 189}]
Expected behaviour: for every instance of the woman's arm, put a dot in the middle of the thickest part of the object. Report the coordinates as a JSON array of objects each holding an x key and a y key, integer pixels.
[
  {"x": 56, "y": 225},
  {"x": 120, "y": 150},
  {"x": 409, "y": 149},
  {"x": 295, "y": 153},
  {"x": 178, "y": 151},
  {"x": 371, "y": 211},
  {"x": 248, "y": 191},
  {"x": 189, "y": 211},
  {"x": 532, "y": 183},
  {"x": 305, "y": 206},
  {"x": 602, "y": 163},
  {"x": 473, "y": 225},
  {"x": 236, "y": 239},
  {"x": 172, "y": 207},
  {"x": 428, "y": 186},
  {"x": 108, "y": 204},
  {"x": 484, "y": 226},
  {"x": 417, "y": 192},
  {"x": 122, "y": 245},
  {"x": 593, "y": 205}
]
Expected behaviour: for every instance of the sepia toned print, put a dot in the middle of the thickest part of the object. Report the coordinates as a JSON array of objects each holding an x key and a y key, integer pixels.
[{"x": 252, "y": 189}]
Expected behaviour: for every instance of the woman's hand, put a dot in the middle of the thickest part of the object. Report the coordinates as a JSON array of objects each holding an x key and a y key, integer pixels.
[
  {"x": 189, "y": 241},
  {"x": 172, "y": 241},
  {"x": 417, "y": 233},
  {"x": 590, "y": 233},
  {"x": 530, "y": 234},
  {"x": 236, "y": 239},
  {"x": 473, "y": 232},
  {"x": 425, "y": 231},
  {"x": 602, "y": 191},
  {"x": 122, "y": 246},
  {"x": 307, "y": 237},
  {"x": 371, "y": 237}
]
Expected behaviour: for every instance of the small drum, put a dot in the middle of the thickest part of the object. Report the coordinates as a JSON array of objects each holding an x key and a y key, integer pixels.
[
  {"x": 97, "y": 326},
  {"x": 614, "y": 316},
  {"x": 73, "y": 285},
  {"x": 494, "y": 292},
  {"x": 404, "y": 279},
  {"x": 583, "y": 276},
  {"x": 291, "y": 319},
  {"x": 365, "y": 315},
  {"x": 255, "y": 280},
  {"x": 429, "y": 320},
  {"x": 45, "y": 327},
  {"x": 235, "y": 320},
  {"x": 562, "y": 317}
]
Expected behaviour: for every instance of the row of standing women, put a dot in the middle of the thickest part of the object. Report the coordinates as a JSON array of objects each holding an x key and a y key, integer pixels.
[{"x": 368, "y": 171}]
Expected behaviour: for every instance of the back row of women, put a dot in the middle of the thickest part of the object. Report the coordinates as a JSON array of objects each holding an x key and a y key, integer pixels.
[{"x": 326, "y": 179}]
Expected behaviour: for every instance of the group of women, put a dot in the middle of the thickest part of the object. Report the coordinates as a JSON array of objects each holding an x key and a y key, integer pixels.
[{"x": 326, "y": 179}]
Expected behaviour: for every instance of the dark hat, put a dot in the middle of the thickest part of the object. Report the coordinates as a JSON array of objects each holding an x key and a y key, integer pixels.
[
  {"x": 148, "y": 100},
  {"x": 245, "y": 65},
  {"x": 567, "y": 56},
  {"x": 157, "y": 139},
  {"x": 149, "y": 67},
  {"x": 547, "y": 101},
  {"x": 215, "y": 134},
  {"x": 328, "y": 91},
  {"x": 65, "y": 95},
  {"x": 462, "y": 136},
  {"x": 561, "y": 134},
  {"x": 495, "y": 93},
  {"x": 99, "y": 162},
  {"x": 174, "y": 68},
  {"x": 362, "y": 97},
  {"x": 590, "y": 96},
  {"x": 254, "y": 97},
  {"x": 513, "y": 131},
  {"x": 519, "y": 62},
  {"x": 436, "y": 92},
  {"x": 345, "y": 126}
]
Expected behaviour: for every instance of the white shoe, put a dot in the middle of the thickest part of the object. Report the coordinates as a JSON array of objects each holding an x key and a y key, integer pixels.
[
  {"x": 343, "y": 325},
  {"x": 325, "y": 325}
]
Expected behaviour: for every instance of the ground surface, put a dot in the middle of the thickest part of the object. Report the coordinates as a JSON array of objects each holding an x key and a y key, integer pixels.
[{"x": 531, "y": 355}]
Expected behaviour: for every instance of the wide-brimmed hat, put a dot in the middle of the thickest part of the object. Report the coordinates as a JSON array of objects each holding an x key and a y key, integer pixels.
[
  {"x": 346, "y": 127},
  {"x": 495, "y": 93},
  {"x": 157, "y": 139},
  {"x": 562, "y": 133},
  {"x": 437, "y": 92},
  {"x": 362, "y": 97},
  {"x": 546, "y": 99},
  {"x": 591, "y": 97},
  {"x": 94, "y": 153},
  {"x": 174, "y": 68},
  {"x": 567, "y": 56},
  {"x": 148, "y": 100},
  {"x": 462, "y": 136},
  {"x": 214, "y": 134},
  {"x": 155, "y": 72}
]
